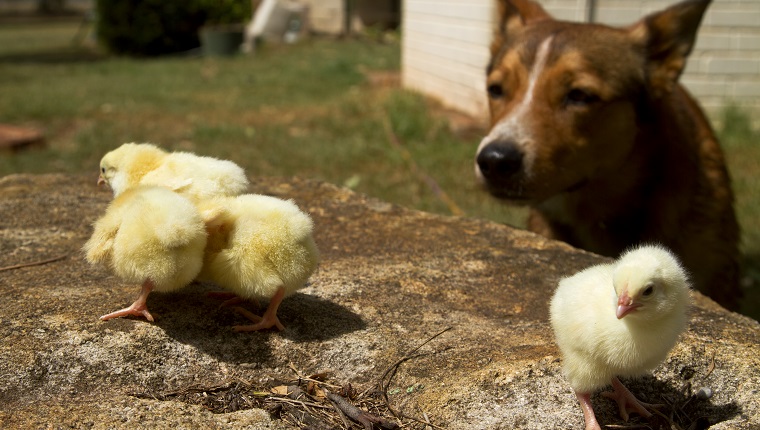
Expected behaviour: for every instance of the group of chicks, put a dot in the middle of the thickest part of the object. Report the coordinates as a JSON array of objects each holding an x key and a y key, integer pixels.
[{"x": 178, "y": 217}]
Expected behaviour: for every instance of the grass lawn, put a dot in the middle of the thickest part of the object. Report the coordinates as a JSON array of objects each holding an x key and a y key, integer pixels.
[{"x": 313, "y": 110}]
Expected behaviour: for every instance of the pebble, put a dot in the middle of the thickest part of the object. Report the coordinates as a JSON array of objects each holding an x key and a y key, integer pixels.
[{"x": 704, "y": 393}]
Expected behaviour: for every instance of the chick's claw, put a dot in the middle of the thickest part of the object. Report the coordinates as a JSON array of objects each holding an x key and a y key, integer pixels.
[
  {"x": 232, "y": 302},
  {"x": 626, "y": 401},
  {"x": 248, "y": 314},
  {"x": 134, "y": 310},
  {"x": 139, "y": 308},
  {"x": 261, "y": 323}
]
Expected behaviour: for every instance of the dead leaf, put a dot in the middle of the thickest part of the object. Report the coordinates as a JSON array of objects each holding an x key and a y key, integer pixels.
[{"x": 281, "y": 390}]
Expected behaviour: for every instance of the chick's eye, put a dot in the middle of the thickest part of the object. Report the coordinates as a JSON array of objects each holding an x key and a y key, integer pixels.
[
  {"x": 579, "y": 97},
  {"x": 648, "y": 291},
  {"x": 495, "y": 91},
  {"x": 103, "y": 169}
]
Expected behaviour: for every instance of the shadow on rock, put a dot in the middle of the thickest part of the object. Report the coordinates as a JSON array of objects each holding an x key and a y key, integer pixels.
[
  {"x": 311, "y": 318},
  {"x": 191, "y": 317},
  {"x": 681, "y": 409}
]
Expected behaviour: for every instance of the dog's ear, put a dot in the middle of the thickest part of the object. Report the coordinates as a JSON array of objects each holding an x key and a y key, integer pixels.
[
  {"x": 667, "y": 38},
  {"x": 514, "y": 14}
]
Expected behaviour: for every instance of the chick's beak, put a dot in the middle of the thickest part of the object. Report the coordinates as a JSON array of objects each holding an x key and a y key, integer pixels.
[
  {"x": 625, "y": 305},
  {"x": 101, "y": 180}
]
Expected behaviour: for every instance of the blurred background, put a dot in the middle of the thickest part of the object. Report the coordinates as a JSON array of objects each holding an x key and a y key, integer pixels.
[{"x": 381, "y": 96}]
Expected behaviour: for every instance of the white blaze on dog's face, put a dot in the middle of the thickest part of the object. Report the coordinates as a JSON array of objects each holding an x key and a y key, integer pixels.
[
  {"x": 563, "y": 101},
  {"x": 513, "y": 128}
]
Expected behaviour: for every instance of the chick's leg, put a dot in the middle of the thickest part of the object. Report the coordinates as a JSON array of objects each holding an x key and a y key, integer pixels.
[
  {"x": 588, "y": 411},
  {"x": 269, "y": 319},
  {"x": 626, "y": 401},
  {"x": 138, "y": 308},
  {"x": 230, "y": 299}
]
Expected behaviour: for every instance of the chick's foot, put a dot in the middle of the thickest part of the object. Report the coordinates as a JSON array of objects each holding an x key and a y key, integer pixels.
[
  {"x": 134, "y": 310},
  {"x": 139, "y": 308},
  {"x": 626, "y": 401},
  {"x": 260, "y": 323},
  {"x": 269, "y": 319}
]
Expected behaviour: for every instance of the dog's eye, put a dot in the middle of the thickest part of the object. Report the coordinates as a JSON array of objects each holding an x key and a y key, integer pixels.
[
  {"x": 579, "y": 97},
  {"x": 495, "y": 91}
]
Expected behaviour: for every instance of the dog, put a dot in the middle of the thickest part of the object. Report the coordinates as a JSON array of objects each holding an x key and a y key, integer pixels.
[{"x": 591, "y": 129}]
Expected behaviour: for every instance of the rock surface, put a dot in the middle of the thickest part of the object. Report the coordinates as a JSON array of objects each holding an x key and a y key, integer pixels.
[{"x": 390, "y": 279}]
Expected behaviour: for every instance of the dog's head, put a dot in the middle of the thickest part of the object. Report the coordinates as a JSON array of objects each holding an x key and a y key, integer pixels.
[{"x": 567, "y": 100}]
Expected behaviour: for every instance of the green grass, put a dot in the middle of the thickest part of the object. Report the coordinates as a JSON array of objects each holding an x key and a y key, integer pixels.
[
  {"x": 741, "y": 142},
  {"x": 306, "y": 110}
]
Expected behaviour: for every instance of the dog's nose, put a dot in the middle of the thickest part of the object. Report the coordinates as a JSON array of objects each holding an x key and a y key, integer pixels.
[{"x": 499, "y": 160}]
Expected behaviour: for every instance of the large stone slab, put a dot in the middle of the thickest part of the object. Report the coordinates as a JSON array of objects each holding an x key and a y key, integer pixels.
[{"x": 390, "y": 279}]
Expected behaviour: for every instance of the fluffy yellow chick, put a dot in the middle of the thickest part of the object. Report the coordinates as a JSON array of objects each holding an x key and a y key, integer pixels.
[
  {"x": 619, "y": 319},
  {"x": 191, "y": 175},
  {"x": 149, "y": 235},
  {"x": 259, "y": 247}
]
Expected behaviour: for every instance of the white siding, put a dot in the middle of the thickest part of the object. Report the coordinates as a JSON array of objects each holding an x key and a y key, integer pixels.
[
  {"x": 724, "y": 67},
  {"x": 445, "y": 48}
]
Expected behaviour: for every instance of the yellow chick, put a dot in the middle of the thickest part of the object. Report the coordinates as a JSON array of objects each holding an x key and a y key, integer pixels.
[
  {"x": 619, "y": 319},
  {"x": 191, "y": 175},
  {"x": 149, "y": 235},
  {"x": 259, "y": 247}
]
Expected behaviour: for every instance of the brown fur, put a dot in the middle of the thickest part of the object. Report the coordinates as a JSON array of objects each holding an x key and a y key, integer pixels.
[{"x": 611, "y": 151}]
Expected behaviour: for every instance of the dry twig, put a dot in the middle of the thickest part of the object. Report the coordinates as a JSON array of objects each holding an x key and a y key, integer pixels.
[
  {"x": 34, "y": 263},
  {"x": 296, "y": 402},
  {"x": 390, "y": 372},
  {"x": 341, "y": 414},
  {"x": 711, "y": 367},
  {"x": 309, "y": 378},
  {"x": 364, "y": 418},
  {"x": 628, "y": 427}
]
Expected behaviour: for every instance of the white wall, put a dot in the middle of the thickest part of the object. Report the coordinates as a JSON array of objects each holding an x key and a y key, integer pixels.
[{"x": 445, "y": 50}]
